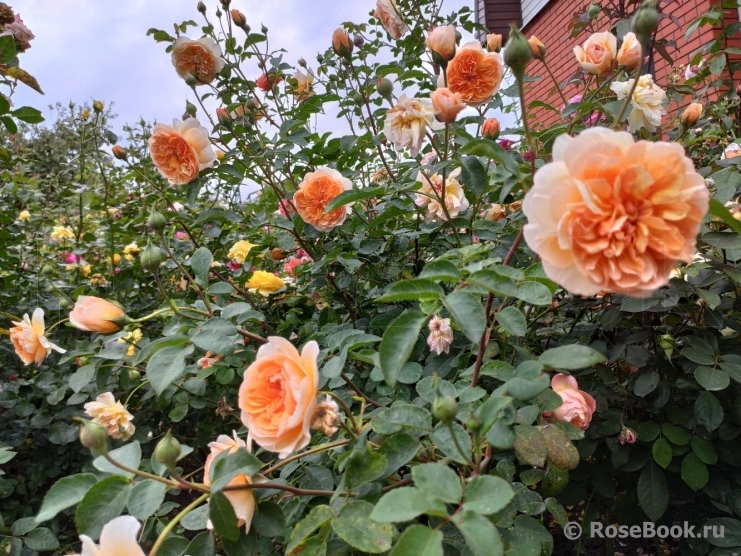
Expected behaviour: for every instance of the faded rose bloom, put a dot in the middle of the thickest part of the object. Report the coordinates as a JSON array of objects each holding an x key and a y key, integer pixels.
[
  {"x": 112, "y": 416},
  {"x": 577, "y": 406},
  {"x": 441, "y": 41},
  {"x": 201, "y": 58},
  {"x": 181, "y": 151},
  {"x": 431, "y": 191},
  {"x": 495, "y": 213},
  {"x": 388, "y": 13},
  {"x": 315, "y": 192},
  {"x": 19, "y": 32},
  {"x": 629, "y": 54},
  {"x": 474, "y": 73},
  {"x": 441, "y": 335},
  {"x": 446, "y": 104},
  {"x": 118, "y": 538},
  {"x": 62, "y": 233},
  {"x": 326, "y": 417},
  {"x": 627, "y": 436},
  {"x": 208, "y": 361},
  {"x": 613, "y": 215},
  {"x": 647, "y": 101},
  {"x": 242, "y": 500},
  {"x": 407, "y": 122},
  {"x": 597, "y": 53},
  {"x": 29, "y": 341}
]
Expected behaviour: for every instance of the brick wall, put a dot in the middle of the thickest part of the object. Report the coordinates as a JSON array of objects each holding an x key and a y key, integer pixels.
[{"x": 552, "y": 26}]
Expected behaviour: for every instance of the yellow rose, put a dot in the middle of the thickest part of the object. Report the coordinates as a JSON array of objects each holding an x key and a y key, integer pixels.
[
  {"x": 24, "y": 215},
  {"x": 240, "y": 250},
  {"x": 264, "y": 283},
  {"x": 60, "y": 233}
]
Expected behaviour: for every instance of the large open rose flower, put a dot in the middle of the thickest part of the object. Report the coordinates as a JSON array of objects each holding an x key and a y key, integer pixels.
[
  {"x": 614, "y": 215},
  {"x": 314, "y": 194},
  {"x": 597, "y": 53},
  {"x": 278, "y": 395},
  {"x": 242, "y": 500},
  {"x": 93, "y": 314},
  {"x": 647, "y": 101},
  {"x": 577, "y": 406},
  {"x": 388, "y": 13},
  {"x": 201, "y": 58},
  {"x": 118, "y": 538},
  {"x": 474, "y": 73},
  {"x": 181, "y": 151},
  {"x": 29, "y": 341},
  {"x": 406, "y": 123},
  {"x": 431, "y": 192}
]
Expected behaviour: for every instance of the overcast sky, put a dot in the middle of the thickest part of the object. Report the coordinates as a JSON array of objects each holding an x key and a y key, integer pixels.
[{"x": 88, "y": 50}]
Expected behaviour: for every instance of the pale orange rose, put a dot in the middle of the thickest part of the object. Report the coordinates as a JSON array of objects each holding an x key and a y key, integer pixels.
[
  {"x": 474, "y": 73},
  {"x": 441, "y": 41},
  {"x": 490, "y": 129},
  {"x": 29, "y": 341},
  {"x": 494, "y": 42},
  {"x": 315, "y": 193},
  {"x": 201, "y": 58},
  {"x": 242, "y": 500},
  {"x": 629, "y": 54},
  {"x": 93, "y": 314},
  {"x": 612, "y": 215},
  {"x": 691, "y": 114},
  {"x": 537, "y": 47},
  {"x": 597, "y": 53},
  {"x": 577, "y": 406},
  {"x": 181, "y": 151},
  {"x": 388, "y": 13},
  {"x": 446, "y": 104},
  {"x": 278, "y": 395}
]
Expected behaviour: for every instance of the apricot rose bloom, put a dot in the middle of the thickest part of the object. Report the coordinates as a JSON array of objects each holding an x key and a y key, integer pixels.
[
  {"x": 118, "y": 538},
  {"x": 93, "y": 314},
  {"x": 29, "y": 341},
  {"x": 597, "y": 53},
  {"x": 407, "y": 122},
  {"x": 431, "y": 192},
  {"x": 691, "y": 114},
  {"x": 613, "y": 215},
  {"x": 629, "y": 54},
  {"x": 264, "y": 283},
  {"x": 474, "y": 73},
  {"x": 388, "y": 13},
  {"x": 242, "y": 500},
  {"x": 648, "y": 102},
  {"x": 577, "y": 406},
  {"x": 315, "y": 192},
  {"x": 112, "y": 416},
  {"x": 201, "y": 58},
  {"x": 278, "y": 395},
  {"x": 446, "y": 104},
  {"x": 181, "y": 151}
]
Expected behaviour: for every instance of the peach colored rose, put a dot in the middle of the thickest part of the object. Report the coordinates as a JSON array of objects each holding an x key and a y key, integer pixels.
[
  {"x": 181, "y": 151},
  {"x": 495, "y": 213},
  {"x": 268, "y": 80},
  {"x": 441, "y": 41},
  {"x": 691, "y": 114},
  {"x": 242, "y": 500},
  {"x": 29, "y": 341},
  {"x": 112, "y": 416},
  {"x": 577, "y": 406},
  {"x": 610, "y": 214},
  {"x": 201, "y": 58},
  {"x": 494, "y": 42},
  {"x": 407, "y": 122},
  {"x": 341, "y": 43},
  {"x": 388, "y": 13},
  {"x": 314, "y": 194},
  {"x": 93, "y": 314},
  {"x": 537, "y": 47},
  {"x": 597, "y": 53},
  {"x": 446, "y": 104},
  {"x": 430, "y": 193},
  {"x": 629, "y": 54},
  {"x": 118, "y": 538},
  {"x": 474, "y": 73},
  {"x": 278, "y": 395},
  {"x": 490, "y": 129}
]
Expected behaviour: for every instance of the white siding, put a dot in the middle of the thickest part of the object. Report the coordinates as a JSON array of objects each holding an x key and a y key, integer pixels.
[{"x": 531, "y": 8}]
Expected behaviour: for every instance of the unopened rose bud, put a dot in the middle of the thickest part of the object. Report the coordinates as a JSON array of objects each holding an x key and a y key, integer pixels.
[
  {"x": 666, "y": 341},
  {"x": 277, "y": 254},
  {"x": 151, "y": 257},
  {"x": 358, "y": 40},
  {"x": 47, "y": 269},
  {"x": 517, "y": 52},
  {"x": 320, "y": 58},
  {"x": 93, "y": 436},
  {"x": 445, "y": 408},
  {"x": 691, "y": 114},
  {"x": 537, "y": 47},
  {"x": 201, "y": 7},
  {"x": 594, "y": 11},
  {"x": 627, "y": 436},
  {"x": 167, "y": 451},
  {"x": 384, "y": 87},
  {"x": 223, "y": 117},
  {"x": 119, "y": 152},
  {"x": 302, "y": 62},
  {"x": 490, "y": 129},
  {"x": 441, "y": 42},
  {"x": 190, "y": 108},
  {"x": 226, "y": 3},
  {"x": 156, "y": 220},
  {"x": 264, "y": 30},
  {"x": 238, "y": 18},
  {"x": 341, "y": 43},
  {"x": 473, "y": 423},
  {"x": 98, "y": 106},
  {"x": 191, "y": 80},
  {"x": 494, "y": 42},
  {"x": 646, "y": 21}
]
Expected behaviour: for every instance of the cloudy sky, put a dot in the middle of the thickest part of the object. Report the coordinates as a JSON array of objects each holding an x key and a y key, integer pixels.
[{"x": 93, "y": 49}]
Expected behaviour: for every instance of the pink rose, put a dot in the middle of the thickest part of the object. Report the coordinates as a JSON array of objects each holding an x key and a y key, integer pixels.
[
  {"x": 577, "y": 406},
  {"x": 19, "y": 32}
]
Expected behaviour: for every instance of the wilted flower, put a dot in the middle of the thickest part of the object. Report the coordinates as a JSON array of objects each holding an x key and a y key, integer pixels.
[
  {"x": 648, "y": 99},
  {"x": 577, "y": 406},
  {"x": 441, "y": 335},
  {"x": 29, "y": 341},
  {"x": 431, "y": 191},
  {"x": 201, "y": 58},
  {"x": 474, "y": 73},
  {"x": 407, "y": 122},
  {"x": 315, "y": 192},
  {"x": 239, "y": 251},
  {"x": 131, "y": 251},
  {"x": 627, "y": 436},
  {"x": 181, "y": 151},
  {"x": 597, "y": 53},
  {"x": 208, "y": 360},
  {"x": 18, "y": 30},
  {"x": 264, "y": 283},
  {"x": 388, "y": 13},
  {"x": 62, "y": 233},
  {"x": 326, "y": 417},
  {"x": 98, "y": 281},
  {"x": 111, "y": 415}
]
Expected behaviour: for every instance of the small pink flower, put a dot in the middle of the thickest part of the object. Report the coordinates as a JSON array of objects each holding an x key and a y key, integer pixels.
[
  {"x": 506, "y": 144},
  {"x": 527, "y": 155},
  {"x": 19, "y": 32},
  {"x": 286, "y": 208},
  {"x": 233, "y": 266},
  {"x": 292, "y": 263},
  {"x": 181, "y": 235},
  {"x": 117, "y": 270},
  {"x": 577, "y": 406},
  {"x": 627, "y": 436},
  {"x": 13, "y": 377},
  {"x": 69, "y": 258},
  {"x": 441, "y": 335}
]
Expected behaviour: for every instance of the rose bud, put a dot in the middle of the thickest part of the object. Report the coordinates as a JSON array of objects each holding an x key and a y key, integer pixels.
[
  {"x": 341, "y": 43},
  {"x": 441, "y": 42},
  {"x": 494, "y": 42},
  {"x": 98, "y": 106},
  {"x": 691, "y": 114},
  {"x": 446, "y": 104},
  {"x": 537, "y": 47},
  {"x": 238, "y": 18},
  {"x": 517, "y": 53},
  {"x": 384, "y": 87},
  {"x": 201, "y": 7},
  {"x": 490, "y": 130},
  {"x": 119, "y": 152},
  {"x": 93, "y": 314}
]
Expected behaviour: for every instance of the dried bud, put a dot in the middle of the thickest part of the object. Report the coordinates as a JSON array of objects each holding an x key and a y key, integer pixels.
[
  {"x": 201, "y": 7},
  {"x": 326, "y": 417},
  {"x": 358, "y": 40},
  {"x": 627, "y": 436},
  {"x": 646, "y": 21},
  {"x": 151, "y": 257},
  {"x": 384, "y": 87},
  {"x": 93, "y": 436},
  {"x": 119, "y": 152},
  {"x": 537, "y": 47},
  {"x": 156, "y": 220},
  {"x": 341, "y": 43},
  {"x": 238, "y": 18},
  {"x": 98, "y": 106},
  {"x": 167, "y": 451},
  {"x": 691, "y": 114},
  {"x": 277, "y": 254},
  {"x": 517, "y": 52},
  {"x": 6, "y": 14},
  {"x": 226, "y": 3},
  {"x": 494, "y": 42},
  {"x": 445, "y": 408},
  {"x": 491, "y": 128}
]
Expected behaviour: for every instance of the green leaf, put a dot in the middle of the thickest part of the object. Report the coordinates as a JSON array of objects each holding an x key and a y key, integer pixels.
[
  {"x": 731, "y": 532},
  {"x": 492, "y": 151},
  {"x": 468, "y": 313},
  {"x": 722, "y": 240},
  {"x": 363, "y": 466},
  {"x": 675, "y": 435},
  {"x": 441, "y": 270},
  {"x": 65, "y": 493},
  {"x": 81, "y": 377},
  {"x": 487, "y": 494},
  {"x": 316, "y": 518},
  {"x": 482, "y": 538},
  {"x": 530, "y": 445},
  {"x": 103, "y": 502},
  {"x": 398, "y": 450},
  {"x": 653, "y": 491},
  {"x": 418, "y": 540},
  {"x": 494, "y": 282},
  {"x": 352, "y": 196},
  {"x": 129, "y": 455},
  {"x": 513, "y": 321},
  {"x": 419, "y": 289},
  {"x": 662, "y": 452},
  {"x": 392, "y": 419},
  {"x": 646, "y": 383},
  {"x": 202, "y": 545},
  {"x": 219, "y": 336},
  {"x": 571, "y": 358},
  {"x": 28, "y": 115},
  {"x": 398, "y": 343},
  {"x": 8, "y": 49},
  {"x": 560, "y": 449},
  {"x": 146, "y": 498},
  {"x": 494, "y": 409},
  {"x": 704, "y": 450},
  {"x": 713, "y": 379},
  {"x": 443, "y": 438},
  {"x": 354, "y": 527},
  {"x": 719, "y": 210},
  {"x": 534, "y": 293},
  {"x": 404, "y": 504},
  {"x": 473, "y": 175},
  {"x": 42, "y": 540},
  {"x": 167, "y": 365},
  {"x": 228, "y": 465},
  {"x": 708, "y": 411},
  {"x": 439, "y": 481},
  {"x": 200, "y": 262},
  {"x": 269, "y": 519},
  {"x": 694, "y": 472},
  {"x": 222, "y": 516}
]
